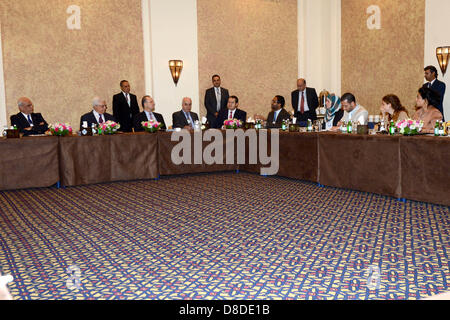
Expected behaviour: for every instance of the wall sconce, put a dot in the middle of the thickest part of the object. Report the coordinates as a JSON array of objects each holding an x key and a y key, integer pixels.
[
  {"x": 175, "y": 68},
  {"x": 442, "y": 54}
]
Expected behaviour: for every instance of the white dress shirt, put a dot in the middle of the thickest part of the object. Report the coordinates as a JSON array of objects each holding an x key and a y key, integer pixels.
[
  {"x": 150, "y": 116},
  {"x": 97, "y": 116},
  {"x": 127, "y": 97},
  {"x": 26, "y": 117},
  {"x": 232, "y": 114},
  {"x": 359, "y": 114},
  {"x": 218, "y": 93},
  {"x": 306, "y": 107}
]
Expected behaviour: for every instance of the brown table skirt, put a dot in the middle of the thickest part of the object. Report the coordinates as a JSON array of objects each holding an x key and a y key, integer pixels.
[{"x": 28, "y": 162}]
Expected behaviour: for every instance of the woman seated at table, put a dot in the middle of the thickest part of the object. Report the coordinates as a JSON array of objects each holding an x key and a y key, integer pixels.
[
  {"x": 392, "y": 109},
  {"x": 426, "y": 100},
  {"x": 334, "y": 112}
]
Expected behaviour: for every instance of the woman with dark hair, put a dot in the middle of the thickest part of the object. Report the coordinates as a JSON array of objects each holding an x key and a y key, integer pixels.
[
  {"x": 392, "y": 109},
  {"x": 426, "y": 101}
]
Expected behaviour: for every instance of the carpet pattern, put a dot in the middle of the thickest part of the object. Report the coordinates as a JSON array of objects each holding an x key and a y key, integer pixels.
[{"x": 221, "y": 236}]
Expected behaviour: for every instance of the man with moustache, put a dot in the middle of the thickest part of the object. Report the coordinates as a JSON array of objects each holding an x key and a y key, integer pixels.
[
  {"x": 278, "y": 114},
  {"x": 148, "y": 105}
]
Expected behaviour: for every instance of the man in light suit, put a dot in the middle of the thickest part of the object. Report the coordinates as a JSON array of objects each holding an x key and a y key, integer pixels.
[
  {"x": 98, "y": 115},
  {"x": 184, "y": 118},
  {"x": 232, "y": 112},
  {"x": 431, "y": 75},
  {"x": 304, "y": 102},
  {"x": 26, "y": 120},
  {"x": 352, "y": 111},
  {"x": 125, "y": 107},
  {"x": 278, "y": 114},
  {"x": 148, "y": 104},
  {"x": 216, "y": 99}
]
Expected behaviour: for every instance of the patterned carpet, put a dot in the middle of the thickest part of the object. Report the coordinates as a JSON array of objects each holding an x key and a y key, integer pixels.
[{"x": 221, "y": 236}]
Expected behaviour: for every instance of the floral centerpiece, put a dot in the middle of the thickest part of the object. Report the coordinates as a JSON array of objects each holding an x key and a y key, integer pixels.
[
  {"x": 232, "y": 123},
  {"x": 151, "y": 126},
  {"x": 108, "y": 127},
  {"x": 60, "y": 129},
  {"x": 409, "y": 127}
]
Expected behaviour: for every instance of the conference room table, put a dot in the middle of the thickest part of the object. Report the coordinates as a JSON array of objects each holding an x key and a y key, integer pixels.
[{"x": 415, "y": 168}]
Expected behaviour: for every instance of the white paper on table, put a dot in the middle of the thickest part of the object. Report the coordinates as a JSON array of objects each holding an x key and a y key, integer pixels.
[
  {"x": 294, "y": 120},
  {"x": 204, "y": 120}
]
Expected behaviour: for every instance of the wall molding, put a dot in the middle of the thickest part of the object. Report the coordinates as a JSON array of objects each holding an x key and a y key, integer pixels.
[
  {"x": 3, "y": 120},
  {"x": 147, "y": 42}
]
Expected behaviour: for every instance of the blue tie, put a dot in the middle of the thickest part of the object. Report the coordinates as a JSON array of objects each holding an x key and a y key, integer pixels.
[
  {"x": 188, "y": 116},
  {"x": 29, "y": 120}
]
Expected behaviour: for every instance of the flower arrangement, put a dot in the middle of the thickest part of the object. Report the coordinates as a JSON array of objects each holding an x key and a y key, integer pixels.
[
  {"x": 409, "y": 127},
  {"x": 232, "y": 124},
  {"x": 151, "y": 126},
  {"x": 60, "y": 129},
  {"x": 108, "y": 127}
]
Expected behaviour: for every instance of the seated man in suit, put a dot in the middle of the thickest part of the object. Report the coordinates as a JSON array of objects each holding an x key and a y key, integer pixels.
[
  {"x": 98, "y": 114},
  {"x": 125, "y": 107},
  {"x": 431, "y": 75},
  {"x": 304, "y": 102},
  {"x": 278, "y": 114},
  {"x": 352, "y": 111},
  {"x": 232, "y": 112},
  {"x": 184, "y": 118},
  {"x": 148, "y": 104},
  {"x": 26, "y": 120}
]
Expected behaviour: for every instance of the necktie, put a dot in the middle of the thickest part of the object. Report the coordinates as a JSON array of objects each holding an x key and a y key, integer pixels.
[
  {"x": 302, "y": 103},
  {"x": 231, "y": 115},
  {"x": 29, "y": 120},
  {"x": 100, "y": 119},
  {"x": 219, "y": 98},
  {"x": 188, "y": 117},
  {"x": 275, "y": 114},
  {"x": 128, "y": 98},
  {"x": 429, "y": 84}
]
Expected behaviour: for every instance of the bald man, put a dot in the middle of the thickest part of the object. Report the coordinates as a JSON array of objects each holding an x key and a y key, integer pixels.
[
  {"x": 304, "y": 102},
  {"x": 185, "y": 118},
  {"x": 98, "y": 114},
  {"x": 26, "y": 120}
]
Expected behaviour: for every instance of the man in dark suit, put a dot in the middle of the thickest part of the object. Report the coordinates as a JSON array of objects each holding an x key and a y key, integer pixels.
[
  {"x": 304, "y": 102},
  {"x": 98, "y": 115},
  {"x": 148, "y": 105},
  {"x": 26, "y": 120},
  {"x": 216, "y": 99},
  {"x": 184, "y": 118},
  {"x": 431, "y": 75},
  {"x": 278, "y": 114},
  {"x": 232, "y": 112},
  {"x": 125, "y": 106}
]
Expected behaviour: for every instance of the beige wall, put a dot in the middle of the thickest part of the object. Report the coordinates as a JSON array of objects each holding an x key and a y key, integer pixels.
[
  {"x": 253, "y": 45},
  {"x": 390, "y": 60},
  {"x": 61, "y": 70}
]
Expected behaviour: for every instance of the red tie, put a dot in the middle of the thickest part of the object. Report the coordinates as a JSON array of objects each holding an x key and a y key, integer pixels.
[
  {"x": 231, "y": 115},
  {"x": 302, "y": 104}
]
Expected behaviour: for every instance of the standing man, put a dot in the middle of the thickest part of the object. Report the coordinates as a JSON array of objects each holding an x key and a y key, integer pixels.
[
  {"x": 26, "y": 120},
  {"x": 216, "y": 99},
  {"x": 304, "y": 102},
  {"x": 184, "y": 118},
  {"x": 125, "y": 107},
  {"x": 431, "y": 75},
  {"x": 231, "y": 112}
]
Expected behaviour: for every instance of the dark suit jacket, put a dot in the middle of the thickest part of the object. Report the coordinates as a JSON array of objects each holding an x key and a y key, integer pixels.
[
  {"x": 21, "y": 122},
  {"x": 439, "y": 87},
  {"x": 281, "y": 116},
  {"x": 90, "y": 118},
  {"x": 311, "y": 98},
  {"x": 124, "y": 113},
  {"x": 223, "y": 115},
  {"x": 211, "y": 104},
  {"x": 179, "y": 120},
  {"x": 142, "y": 116}
]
